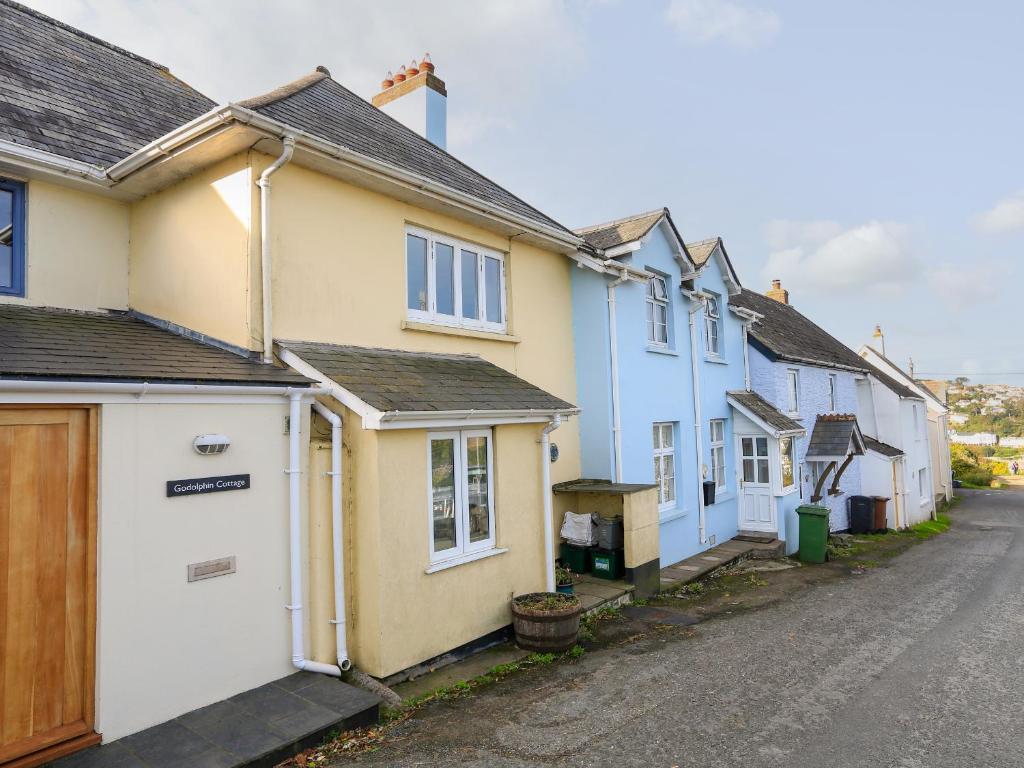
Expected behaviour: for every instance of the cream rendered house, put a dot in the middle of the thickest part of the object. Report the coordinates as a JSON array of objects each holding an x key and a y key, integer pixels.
[{"x": 167, "y": 257}]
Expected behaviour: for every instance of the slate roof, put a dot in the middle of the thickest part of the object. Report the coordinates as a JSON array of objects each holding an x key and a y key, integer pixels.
[
  {"x": 883, "y": 448},
  {"x": 833, "y": 435},
  {"x": 324, "y": 108},
  {"x": 765, "y": 411},
  {"x": 44, "y": 343},
  {"x": 784, "y": 333},
  {"x": 701, "y": 251},
  {"x": 396, "y": 380},
  {"x": 74, "y": 95},
  {"x": 614, "y": 233}
]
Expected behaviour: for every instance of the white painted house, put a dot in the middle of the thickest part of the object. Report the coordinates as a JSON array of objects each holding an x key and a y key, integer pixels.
[
  {"x": 938, "y": 422},
  {"x": 895, "y": 416}
]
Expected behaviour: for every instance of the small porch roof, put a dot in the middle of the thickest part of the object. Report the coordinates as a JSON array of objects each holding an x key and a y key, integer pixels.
[
  {"x": 397, "y": 389},
  {"x": 835, "y": 437},
  {"x": 883, "y": 449},
  {"x": 764, "y": 414}
]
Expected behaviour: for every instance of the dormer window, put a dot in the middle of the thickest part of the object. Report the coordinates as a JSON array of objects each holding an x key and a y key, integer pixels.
[
  {"x": 454, "y": 283},
  {"x": 657, "y": 311},
  {"x": 712, "y": 327},
  {"x": 12, "y": 238}
]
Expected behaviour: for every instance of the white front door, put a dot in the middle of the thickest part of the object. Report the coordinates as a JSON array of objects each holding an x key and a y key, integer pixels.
[{"x": 757, "y": 510}]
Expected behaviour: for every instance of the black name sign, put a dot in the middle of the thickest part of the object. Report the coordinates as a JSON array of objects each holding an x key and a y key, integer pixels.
[{"x": 207, "y": 485}]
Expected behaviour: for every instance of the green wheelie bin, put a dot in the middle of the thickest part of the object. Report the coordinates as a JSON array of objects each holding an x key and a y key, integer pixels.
[{"x": 813, "y": 533}]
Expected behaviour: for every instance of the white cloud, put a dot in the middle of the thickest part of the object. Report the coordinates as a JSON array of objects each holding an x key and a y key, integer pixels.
[
  {"x": 233, "y": 49},
  {"x": 811, "y": 256},
  {"x": 1004, "y": 216},
  {"x": 960, "y": 287},
  {"x": 708, "y": 21}
]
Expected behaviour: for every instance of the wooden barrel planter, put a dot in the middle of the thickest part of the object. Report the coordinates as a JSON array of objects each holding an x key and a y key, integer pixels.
[{"x": 548, "y": 622}]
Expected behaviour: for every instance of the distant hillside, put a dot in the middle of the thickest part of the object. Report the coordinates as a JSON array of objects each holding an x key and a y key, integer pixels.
[{"x": 997, "y": 408}]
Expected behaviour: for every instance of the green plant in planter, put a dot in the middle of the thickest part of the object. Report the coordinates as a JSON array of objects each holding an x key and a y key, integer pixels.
[{"x": 564, "y": 580}]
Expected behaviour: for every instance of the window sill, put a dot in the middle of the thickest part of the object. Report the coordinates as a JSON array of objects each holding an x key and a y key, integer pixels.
[
  {"x": 450, "y": 330},
  {"x": 662, "y": 350},
  {"x": 668, "y": 515},
  {"x": 717, "y": 359},
  {"x": 451, "y": 562},
  {"x": 788, "y": 491}
]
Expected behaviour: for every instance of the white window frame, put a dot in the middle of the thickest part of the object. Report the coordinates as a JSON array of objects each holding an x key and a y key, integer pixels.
[
  {"x": 464, "y": 549},
  {"x": 718, "y": 454},
  {"x": 661, "y": 453},
  {"x": 923, "y": 486},
  {"x": 654, "y": 304},
  {"x": 431, "y": 315},
  {"x": 713, "y": 319},
  {"x": 832, "y": 387},
  {"x": 793, "y": 391},
  {"x": 795, "y": 475}
]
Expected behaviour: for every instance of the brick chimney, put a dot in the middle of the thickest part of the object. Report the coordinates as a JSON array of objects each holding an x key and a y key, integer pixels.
[
  {"x": 778, "y": 293},
  {"x": 417, "y": 98}
]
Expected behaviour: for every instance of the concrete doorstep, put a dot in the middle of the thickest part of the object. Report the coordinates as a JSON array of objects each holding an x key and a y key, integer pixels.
[{"x": 255, "y": 729}]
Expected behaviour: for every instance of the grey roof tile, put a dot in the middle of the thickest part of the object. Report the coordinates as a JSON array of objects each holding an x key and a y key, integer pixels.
[
  {"x": 834, "y": 435},
  {"x": 701, "y": 251},
  {"x": 883, "y": 448},
  {"x": 396, "y": 380},
  {"x": 40, "y": 343},
  {"x": 326, "y": 109},
  {"x": 784, "y": 333},
  {"x": 625, "y": 230},
  {"x": 71, "y": 94},
  {"x": 765, "y": 411}
]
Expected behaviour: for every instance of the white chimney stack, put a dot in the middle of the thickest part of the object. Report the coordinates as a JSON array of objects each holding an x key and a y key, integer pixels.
[{"x": 417, "y": 98}]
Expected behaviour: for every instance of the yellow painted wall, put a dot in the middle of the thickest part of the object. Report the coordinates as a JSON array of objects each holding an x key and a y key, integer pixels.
[
  {"x": 76, "y": 250},
  {"x": 191, "y": 255},
  {"x": 339, "y": 277}
]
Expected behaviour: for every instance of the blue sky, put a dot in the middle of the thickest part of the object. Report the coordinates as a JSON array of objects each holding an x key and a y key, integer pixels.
[{"x": 868, "y": 154}]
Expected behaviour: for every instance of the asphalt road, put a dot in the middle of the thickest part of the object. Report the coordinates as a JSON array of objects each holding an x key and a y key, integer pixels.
[{"x": 919, "y": 664}]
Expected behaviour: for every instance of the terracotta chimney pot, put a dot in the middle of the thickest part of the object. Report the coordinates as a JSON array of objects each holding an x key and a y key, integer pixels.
[
  {"x": 400, "y": 75},
  {"x": 388, "y": 81},
  {"x": 426, "y": 65}
]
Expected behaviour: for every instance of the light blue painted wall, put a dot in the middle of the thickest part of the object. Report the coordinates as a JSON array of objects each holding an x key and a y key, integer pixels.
[
  {"x": 656, "y": 386},
  {"x": 769, "y": 379}
]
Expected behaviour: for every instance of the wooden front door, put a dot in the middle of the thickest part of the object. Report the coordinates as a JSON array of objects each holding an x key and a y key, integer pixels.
[{"x": 47, "y": 582}]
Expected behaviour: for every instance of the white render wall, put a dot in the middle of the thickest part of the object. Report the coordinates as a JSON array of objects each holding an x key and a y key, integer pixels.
[
  {"x": 166, "y": 646},
  {"x": 769, "y": 379}
]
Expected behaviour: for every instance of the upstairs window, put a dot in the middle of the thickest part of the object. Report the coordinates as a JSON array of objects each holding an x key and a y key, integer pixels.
[
  {"x": 657, "y": 311},
  {"x": 454, "y": 283},
  {"x": 712, "y": 327},
  {"x": 832, "y": 392},
  {"x": 793, "y": 391},
  {"x": 12, "y": 238}
]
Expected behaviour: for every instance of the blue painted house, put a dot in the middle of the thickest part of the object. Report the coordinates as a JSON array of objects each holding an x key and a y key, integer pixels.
[
  {"x": 659, "y": 346},
  {"x": 811, "y": 378}
]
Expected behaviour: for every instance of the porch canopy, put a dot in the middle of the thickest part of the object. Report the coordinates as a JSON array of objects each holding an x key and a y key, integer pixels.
[
  {"x": 836, "y": 439},
  {"x": 396, "y": 389},
  {"x": 764, "y": 414}
]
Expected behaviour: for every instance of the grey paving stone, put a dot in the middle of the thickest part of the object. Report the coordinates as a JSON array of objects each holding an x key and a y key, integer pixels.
[
  {"x": 167, "y": 744},
  {"x": 114, "y": 755},
  {"x": 233, "y": 729}
]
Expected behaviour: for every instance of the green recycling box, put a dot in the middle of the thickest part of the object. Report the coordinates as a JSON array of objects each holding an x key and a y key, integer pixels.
[
  {"x": 813, "y": 533},
  {"x": 606, "y": 563}
]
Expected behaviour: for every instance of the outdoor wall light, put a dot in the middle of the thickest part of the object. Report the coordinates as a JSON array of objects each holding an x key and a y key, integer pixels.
[{"x": 211, "y": 445}]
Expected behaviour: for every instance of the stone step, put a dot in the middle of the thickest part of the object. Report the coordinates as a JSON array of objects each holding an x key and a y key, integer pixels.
[
  {"x": 758, "y": 537},
  {"x": 769, "y": 550}
]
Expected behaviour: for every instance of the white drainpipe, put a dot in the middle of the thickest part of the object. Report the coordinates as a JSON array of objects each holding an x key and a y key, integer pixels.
[
  {"x": 549, "y": 526},
  {"x": 698, "y": 433},
  {"x": 337, "y": 535},
  {"x": 613, "y": 346},
  {"x": 265, "y": 261},
  {"x": 746, "y": 358},
  {"x": 299, "y": 661}
]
